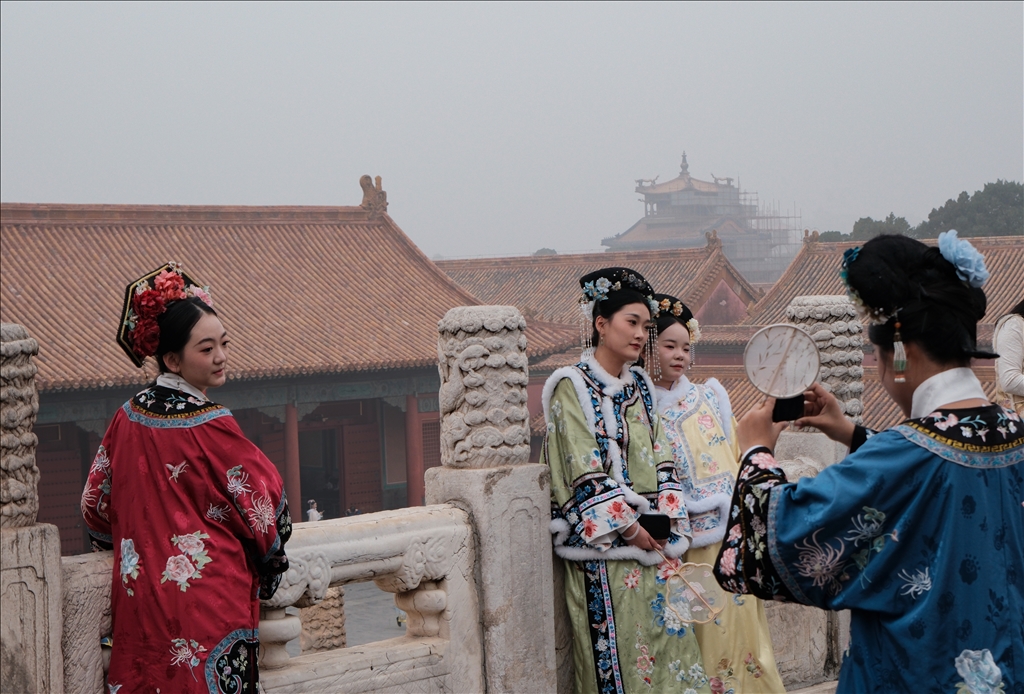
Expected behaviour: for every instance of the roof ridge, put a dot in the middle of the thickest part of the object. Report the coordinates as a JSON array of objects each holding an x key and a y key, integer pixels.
[{"x": 45, "y": 213}]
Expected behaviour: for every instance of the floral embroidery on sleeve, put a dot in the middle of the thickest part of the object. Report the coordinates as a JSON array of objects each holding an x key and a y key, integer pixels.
[
  {"x": 743, "y": 564},
  {"x": 129, "y": 563}
]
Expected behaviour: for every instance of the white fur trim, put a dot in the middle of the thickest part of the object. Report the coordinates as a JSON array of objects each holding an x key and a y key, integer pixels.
[
  {"x": 668, "y": 398},
  {"x": 560, "y": 529},
  {"x": 724, "y": 505},
  {"x": 724, "y": 406},
  {"x": 610, "y": 384},
  {"x": 646, "y": 377},
  {"x": 582, "y": 394},
  {"x": 615, "y": 453}
]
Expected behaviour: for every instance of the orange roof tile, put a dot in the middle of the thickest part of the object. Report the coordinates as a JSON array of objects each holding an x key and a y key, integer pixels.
[
  {"x": 546, "y": 287},
  {"x": 815, "y": 270},
  {"x": 302, "y": 290}
]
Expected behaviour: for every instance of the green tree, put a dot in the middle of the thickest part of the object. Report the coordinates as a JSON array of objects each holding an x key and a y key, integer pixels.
[
  {"x": 995, "y": 210},
  {"x": 867, "y": 228}
]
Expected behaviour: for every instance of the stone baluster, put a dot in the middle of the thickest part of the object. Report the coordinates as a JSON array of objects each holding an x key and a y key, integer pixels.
[
  {"x": 30, "y": 574},
  {"x": 277, "y": 628},
  {"x": 485, "y": 449}
]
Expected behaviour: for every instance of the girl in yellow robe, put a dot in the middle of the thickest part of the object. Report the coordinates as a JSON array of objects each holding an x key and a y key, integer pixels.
[{"x": 700, "y": 428}]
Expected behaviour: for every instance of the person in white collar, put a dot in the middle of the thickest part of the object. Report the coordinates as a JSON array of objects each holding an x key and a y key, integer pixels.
[
  {"x": 1008, "y": 342},
  {"x": 195, "y": 513},
  {"x": 919, "y": 532},
  {"x": 610, "y": 467},
  {"x": 699, "y": 426}
]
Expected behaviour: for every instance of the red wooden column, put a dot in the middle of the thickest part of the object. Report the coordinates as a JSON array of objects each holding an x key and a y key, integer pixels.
[
  {"x": 413, "y": 452},
  {"x": 292, "y": 473}
]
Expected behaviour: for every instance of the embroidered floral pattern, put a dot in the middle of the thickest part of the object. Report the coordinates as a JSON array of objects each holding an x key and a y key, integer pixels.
[
  {"x": 237, "y": 482},
  {"x": 693, "y": 676},
  {"x": 218, "y": 513},
  {"x": 980, "y": 672},
  {"x": 631, "y": 581},
  {"x": 186, "y": 652},
  {"x": 823, "y": 565},
  {"x": 644, "y": 661},
  {"x": 915, "y": 584},
  {"x": 129, "y": 564},
  {"x": 185, "y": 567}
]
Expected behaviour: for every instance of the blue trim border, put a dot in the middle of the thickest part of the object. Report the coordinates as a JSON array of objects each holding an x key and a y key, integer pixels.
[
  {"x": 981, "y": 459},
  {"x": 773, "y": 546},
  {"x": 250, "y": 635},
  {"x": 155, "y": 422}
]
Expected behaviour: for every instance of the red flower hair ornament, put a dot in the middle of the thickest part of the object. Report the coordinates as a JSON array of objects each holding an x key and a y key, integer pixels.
[{"x": 145, "y": 300}]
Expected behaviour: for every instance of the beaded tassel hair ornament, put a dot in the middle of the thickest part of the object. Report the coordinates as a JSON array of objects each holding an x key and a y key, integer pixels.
[
  {"x": 960, "y": 253},
  {"x": 598, "y": 286}
]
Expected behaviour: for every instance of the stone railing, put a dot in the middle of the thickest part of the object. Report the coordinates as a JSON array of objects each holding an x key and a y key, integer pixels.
[{"x": 425, "y": 556}]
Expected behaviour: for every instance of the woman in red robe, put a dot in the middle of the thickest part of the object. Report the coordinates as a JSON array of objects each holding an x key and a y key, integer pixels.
[{"x": 195, "y": 513}]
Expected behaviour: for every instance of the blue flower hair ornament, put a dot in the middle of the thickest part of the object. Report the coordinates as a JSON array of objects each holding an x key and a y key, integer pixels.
[{"x": 969, "y": 263}]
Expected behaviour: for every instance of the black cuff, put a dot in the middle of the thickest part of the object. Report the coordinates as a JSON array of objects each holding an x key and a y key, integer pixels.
[{"x": 860, "y": 437}]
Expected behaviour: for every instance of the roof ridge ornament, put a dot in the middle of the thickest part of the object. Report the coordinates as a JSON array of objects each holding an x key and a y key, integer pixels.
[
  {"x": 375, "y": 199},
  {"x": 684, "y": 168},
  {"x": 713, "y": 241}
]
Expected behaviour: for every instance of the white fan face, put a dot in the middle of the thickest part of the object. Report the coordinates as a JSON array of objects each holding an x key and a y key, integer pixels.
[{"x": 781, "y": 360}]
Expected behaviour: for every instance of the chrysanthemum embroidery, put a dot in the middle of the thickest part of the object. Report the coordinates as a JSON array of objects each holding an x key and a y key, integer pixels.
[
  {"x": 129, "y": 564},
  {"x": 176, "y": 470},
  {"x": 262, "y": 512},
  {"x": 617, "y": 510},
  {"x": 237, "y": 482},
  {"x": 866, "y": 526},
  {"x": 186, "y": 652},
  {"x": 915, "y": 584},
  {"x": 218, "y": 513},
  {"x": 644, "y": 661},
  {"x": 822, "y": 565},
  {"x": 101, "y": 462}
]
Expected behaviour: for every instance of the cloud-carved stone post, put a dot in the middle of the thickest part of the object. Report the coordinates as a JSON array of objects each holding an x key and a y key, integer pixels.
[
  {"x": 485, "y": 450},
  {"x": 30, "y": 570}
]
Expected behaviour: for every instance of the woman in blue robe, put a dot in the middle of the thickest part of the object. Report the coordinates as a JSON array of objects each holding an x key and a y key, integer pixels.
[{"x": 919, "y": 532}]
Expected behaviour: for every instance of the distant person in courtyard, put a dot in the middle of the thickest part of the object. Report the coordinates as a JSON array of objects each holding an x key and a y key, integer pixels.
[
  {"x": 195, "y": 513},
  {"x": 701, "y": 432},
  {"x": 1008, "y": 343},
  {"x": 610, "y": 463},
  {"x": 920, "y": 530},
  {"x": 312, "y": 514}
]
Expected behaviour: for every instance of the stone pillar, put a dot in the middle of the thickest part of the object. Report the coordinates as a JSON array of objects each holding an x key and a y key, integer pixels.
[
  {"x": 292, "y": 471},
  {"x": 809, "y": 642},
  {"x": 413, "y": 452},
  {"x": 30, "y": 571},
  {"x": 485, "y": 450},
  {"x": 833, "y": 324}
]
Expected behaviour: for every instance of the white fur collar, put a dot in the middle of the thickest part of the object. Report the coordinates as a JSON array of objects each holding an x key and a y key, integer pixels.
[
  {"x": 666, "y": 398},
  {"x": 610, "y": 385},
  {"x": 176, "y": 382}
]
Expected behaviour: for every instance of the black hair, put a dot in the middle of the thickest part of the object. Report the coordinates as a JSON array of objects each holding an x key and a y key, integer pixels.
[
  {"x": 1018, "y": 309},
  {"x": 612, "y": 305},
  {"x": 936, "y": 309},
  {"x": 176, "y": 325}
]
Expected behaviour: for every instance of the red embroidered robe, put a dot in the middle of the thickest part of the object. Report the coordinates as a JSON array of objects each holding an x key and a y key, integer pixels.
[{"x": 197, "y": 518}]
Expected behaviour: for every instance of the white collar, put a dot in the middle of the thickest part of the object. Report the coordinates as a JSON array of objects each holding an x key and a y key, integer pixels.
[
  {"x": 176, "y": 382},
  {"x": 667, "y": 397},
  {"x": 610, "y": 384},
  {"x": 951, "y": 385}
]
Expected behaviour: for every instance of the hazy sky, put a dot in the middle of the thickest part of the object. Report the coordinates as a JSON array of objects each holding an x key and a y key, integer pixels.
[{"x": 505, "y": 128}]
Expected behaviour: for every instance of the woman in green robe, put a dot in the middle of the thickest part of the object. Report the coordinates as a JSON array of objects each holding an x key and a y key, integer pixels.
[{"x": 610, "y": 463}]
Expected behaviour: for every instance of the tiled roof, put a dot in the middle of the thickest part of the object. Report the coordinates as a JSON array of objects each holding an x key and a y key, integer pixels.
[
  {"x": 681, "y": 183},
  {"x": 546, "y": 287},
  {"x": 302, "y": 290},
  {"x": 815, "y": 270}
]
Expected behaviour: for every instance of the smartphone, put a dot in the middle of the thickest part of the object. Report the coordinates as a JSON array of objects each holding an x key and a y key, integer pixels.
[
  {"x": 788, "y": 409},
  {"x": 657, "y": 525}
]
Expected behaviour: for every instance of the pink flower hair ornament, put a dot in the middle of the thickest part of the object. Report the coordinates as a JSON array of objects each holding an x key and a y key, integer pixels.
[{"x": 146, "y": 299}]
